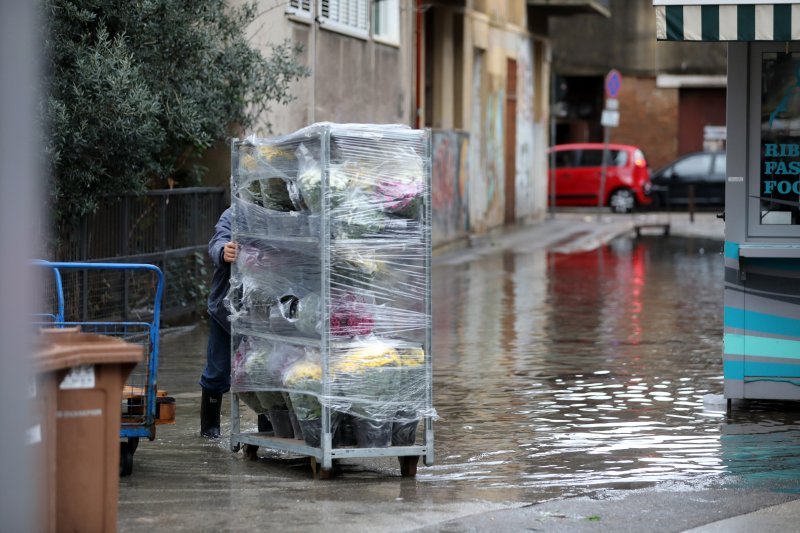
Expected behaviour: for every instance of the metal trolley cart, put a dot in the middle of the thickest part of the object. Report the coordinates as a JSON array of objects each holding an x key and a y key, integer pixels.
[
  {"x": 330, "y": 293},
  {"x": 143, "y": 406}
]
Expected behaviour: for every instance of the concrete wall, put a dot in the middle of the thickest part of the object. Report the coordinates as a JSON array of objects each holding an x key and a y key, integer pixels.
[
  {"x": 359, "y": 81},
  {"x": 352, "y": 79}
]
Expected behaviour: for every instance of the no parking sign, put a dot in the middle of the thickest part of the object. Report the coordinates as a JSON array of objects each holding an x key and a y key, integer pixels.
[
  {"x": 613, "y": 83},
  {"x": 610, "y": 116}
]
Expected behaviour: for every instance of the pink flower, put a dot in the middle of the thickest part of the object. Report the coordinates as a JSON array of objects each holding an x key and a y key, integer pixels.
[{"x": 395, "y": 195}]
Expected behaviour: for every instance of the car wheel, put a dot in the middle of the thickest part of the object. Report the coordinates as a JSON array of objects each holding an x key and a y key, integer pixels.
[{"x": 622, "y": 201}]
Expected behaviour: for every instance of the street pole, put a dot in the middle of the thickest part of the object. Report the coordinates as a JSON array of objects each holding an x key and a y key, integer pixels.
[
  {"x": 609, "y": 119},
  {"x": 603, "y": 171},
  {"x": 552, "y": 167}
]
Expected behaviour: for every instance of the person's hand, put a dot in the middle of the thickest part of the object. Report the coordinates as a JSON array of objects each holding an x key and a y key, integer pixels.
[{"x": 229, "y": 252}]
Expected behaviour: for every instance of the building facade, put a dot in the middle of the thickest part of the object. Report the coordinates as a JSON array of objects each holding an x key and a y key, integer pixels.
[
  {"x": 359, "y": 52},
  {"x": 485, "y": 90},
  {"x": 670, "y": 91},
  {"x": 475, "y": 71}
]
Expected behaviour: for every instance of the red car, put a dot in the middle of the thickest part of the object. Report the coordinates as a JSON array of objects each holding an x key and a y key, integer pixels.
[{"x": 578, "y": 171}]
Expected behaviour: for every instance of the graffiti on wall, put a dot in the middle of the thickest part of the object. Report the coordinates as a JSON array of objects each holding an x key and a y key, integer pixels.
[
  {"x": 495, "y": 158},
  {"x": 525, "y": 139},
  {"x": 450, "y": 179}
]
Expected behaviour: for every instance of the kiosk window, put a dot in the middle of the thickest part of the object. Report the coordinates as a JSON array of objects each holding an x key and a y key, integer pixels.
[{"x": 779, "y": 187}]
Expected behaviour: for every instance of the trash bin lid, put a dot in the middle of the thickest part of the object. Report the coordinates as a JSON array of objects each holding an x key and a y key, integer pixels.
[{"x": 60, "y": 348}]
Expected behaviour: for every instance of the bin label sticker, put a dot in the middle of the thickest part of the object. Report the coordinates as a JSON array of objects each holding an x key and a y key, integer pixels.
[
  {"x": 735, "y": 179},
  {"x": 33, "y": 434},
  {"x": 79, "y": 377},
  {"x": 79, "y": 413}
]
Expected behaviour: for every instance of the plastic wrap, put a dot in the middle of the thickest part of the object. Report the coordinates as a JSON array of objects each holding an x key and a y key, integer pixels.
[{"x": 330, "y": 299}]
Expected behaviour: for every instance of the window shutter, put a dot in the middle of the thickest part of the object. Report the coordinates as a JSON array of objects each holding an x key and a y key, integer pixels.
[
  {"x": 299, "y": 8},
  {"x": 347, "y": 16}
]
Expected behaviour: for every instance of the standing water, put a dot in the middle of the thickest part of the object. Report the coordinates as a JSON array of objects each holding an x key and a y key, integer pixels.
[
  {"x": 560, "y": 374},
  {"x": 554, "y": 375}
]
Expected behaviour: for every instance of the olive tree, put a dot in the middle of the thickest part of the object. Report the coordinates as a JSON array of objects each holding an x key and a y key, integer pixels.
[{"x": 137, "y": 91}]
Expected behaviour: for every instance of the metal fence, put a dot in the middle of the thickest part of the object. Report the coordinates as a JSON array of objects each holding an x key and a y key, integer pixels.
[{"x": 167, "y": 228}]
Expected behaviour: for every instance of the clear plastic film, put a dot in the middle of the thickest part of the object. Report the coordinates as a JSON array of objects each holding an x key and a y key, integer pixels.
[{"x": 330, "y": 293}]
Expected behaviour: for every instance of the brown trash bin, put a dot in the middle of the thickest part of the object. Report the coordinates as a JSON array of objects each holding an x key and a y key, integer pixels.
[{"x": 79, "y": 381}]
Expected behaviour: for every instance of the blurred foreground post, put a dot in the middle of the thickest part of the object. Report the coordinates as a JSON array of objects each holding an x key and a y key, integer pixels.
[{"x": 20, "y": 171}]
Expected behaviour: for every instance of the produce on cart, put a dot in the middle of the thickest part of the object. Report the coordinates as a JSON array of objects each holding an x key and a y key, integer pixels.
[{"x": 330, "y": 294}]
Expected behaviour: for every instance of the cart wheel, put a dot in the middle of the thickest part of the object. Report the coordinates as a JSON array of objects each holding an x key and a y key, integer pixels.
[
  {"x": 133, "y": 443},
  {"x": 250, "y": 451},
  {"x": 125, "y": 459},
  {"x": 408, "y": 465},
  {"x": 321, "y": 473}
]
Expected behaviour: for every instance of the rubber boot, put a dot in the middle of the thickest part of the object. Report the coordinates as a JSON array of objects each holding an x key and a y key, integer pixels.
[
  {"x": 210, "y": 406},
  {"x": 264, "y": 425}
]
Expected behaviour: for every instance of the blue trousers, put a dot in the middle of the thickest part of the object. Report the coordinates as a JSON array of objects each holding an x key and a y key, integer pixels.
[{"x": 216, "y": 378}]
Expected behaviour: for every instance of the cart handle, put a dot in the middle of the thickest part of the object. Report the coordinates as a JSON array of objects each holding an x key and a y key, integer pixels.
[{"x": 56, "y": 266}]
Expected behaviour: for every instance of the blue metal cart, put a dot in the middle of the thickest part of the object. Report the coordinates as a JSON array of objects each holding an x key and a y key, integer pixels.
[{"x": 139, "y": 407}]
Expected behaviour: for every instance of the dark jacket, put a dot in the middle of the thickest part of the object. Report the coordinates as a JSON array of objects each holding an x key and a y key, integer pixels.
[{"x": 220, "y": 283}]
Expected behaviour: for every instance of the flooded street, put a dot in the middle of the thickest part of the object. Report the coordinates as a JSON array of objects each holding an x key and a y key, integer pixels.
[
  {"x": 555, "y": 375},
  {"x": 559, "y": 374}
]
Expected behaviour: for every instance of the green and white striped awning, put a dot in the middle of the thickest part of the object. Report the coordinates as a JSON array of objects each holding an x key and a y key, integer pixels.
[{"x": 731, "y": 20}]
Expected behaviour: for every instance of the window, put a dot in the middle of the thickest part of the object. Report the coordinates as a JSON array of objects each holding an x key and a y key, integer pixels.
[
  {"x": 386, "y": 20},
  {"x": 591, "y": 158},
  {"x": 694, "y": 167},
  {"x": 299, "y": 8},
  {"x": 565, "y": 158},
  {"x": 779, "y": 191},
  {"x": 346, "y": 16},
  {"x": 619, "y": 158},
  {"x": 594, "y": 158},
  {"x": 719, "y": 165}
]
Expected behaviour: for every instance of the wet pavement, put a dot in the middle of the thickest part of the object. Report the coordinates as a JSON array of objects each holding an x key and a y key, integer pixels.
[{"x": 575, "y": 390}]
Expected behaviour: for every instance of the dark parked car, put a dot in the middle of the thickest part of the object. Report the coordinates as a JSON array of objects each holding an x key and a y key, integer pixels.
[{"x": 702, "y": 173}]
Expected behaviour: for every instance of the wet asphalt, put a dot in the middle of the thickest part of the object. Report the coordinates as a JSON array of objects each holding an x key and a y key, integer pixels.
[{"x": 577, "y": 370}]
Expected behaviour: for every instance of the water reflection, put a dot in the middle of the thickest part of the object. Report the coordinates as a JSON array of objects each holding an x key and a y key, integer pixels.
[
  {"x": 560, "y": 373},
  {"x": 760, "y": 444}
]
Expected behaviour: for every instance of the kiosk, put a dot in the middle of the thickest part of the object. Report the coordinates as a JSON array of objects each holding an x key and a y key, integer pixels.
[{"x": 762, "y": 196}]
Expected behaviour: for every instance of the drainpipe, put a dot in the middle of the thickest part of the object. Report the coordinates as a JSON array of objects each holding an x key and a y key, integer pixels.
[
  {"x": 418, "y": 80},
  {"x": 312, "y": 114}
]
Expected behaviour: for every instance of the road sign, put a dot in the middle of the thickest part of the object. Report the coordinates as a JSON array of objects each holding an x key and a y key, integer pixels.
[
  {"x": 609, "y": 118},
  {"x": 613, "y": 83}
]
